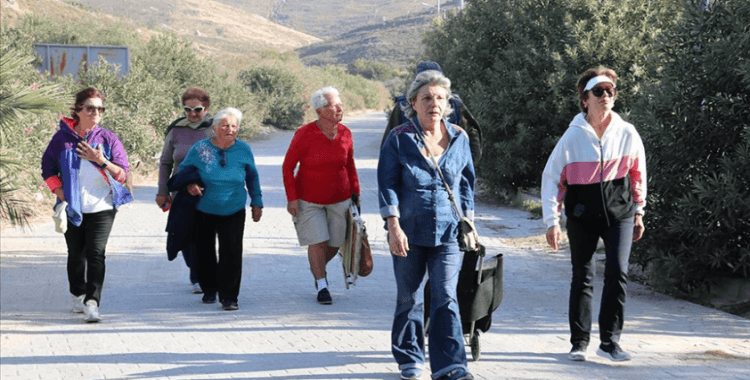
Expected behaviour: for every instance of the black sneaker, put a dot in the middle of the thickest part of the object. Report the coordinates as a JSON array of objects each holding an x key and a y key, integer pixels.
[
  {"x": 457, "y": 374},
  {"x": 613, "y": 352},
  {"x": 229, "y": 305},
  {"x": 324, "y": 297},
  {"x": 209, "y": 297},
  {"x": 578, "y": 353}
]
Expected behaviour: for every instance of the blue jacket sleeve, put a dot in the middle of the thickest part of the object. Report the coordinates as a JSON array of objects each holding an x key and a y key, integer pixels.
[
  {"x": 389, "y": 181},
  {"x": 252, "y": 181}
]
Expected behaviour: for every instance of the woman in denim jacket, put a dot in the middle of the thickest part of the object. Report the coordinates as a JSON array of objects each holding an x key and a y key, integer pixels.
[{"x": 423, "y": 227}]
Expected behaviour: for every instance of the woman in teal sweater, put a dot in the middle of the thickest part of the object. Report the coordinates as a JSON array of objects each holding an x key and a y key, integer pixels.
[{"x": 227, "y": 169}]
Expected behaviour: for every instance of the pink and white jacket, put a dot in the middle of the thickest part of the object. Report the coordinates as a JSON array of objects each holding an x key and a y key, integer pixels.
[{"x": 599, "y": 180}]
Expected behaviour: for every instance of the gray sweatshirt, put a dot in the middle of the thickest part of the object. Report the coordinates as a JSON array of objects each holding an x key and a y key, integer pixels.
[{"x": 181, "y": 137}]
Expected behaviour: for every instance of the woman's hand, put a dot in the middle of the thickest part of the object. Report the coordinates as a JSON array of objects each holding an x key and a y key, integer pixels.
[
  {"x": 397, "y": 240},
  {"x": 60, "y": 193},
  {"x": 161, "y": 199},
  {"x": 292, "y": 207},
  {"x": 639, "y": 228},
  {"x": 554, "y": 236},
  {"x": 86, "y": 152},
  {"x": 257, "y": 212},
  {"x": 194, "y": 189}
]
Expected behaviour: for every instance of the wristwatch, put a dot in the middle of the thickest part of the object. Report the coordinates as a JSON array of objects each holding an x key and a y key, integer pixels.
[{"x": 104, "y": 164}]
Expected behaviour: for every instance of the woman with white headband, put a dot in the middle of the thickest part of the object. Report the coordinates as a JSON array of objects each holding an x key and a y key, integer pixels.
[{"x": 598, "y": 172}]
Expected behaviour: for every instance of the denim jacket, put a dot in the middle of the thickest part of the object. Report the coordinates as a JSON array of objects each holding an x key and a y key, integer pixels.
[{"x": 410, "y": 188}]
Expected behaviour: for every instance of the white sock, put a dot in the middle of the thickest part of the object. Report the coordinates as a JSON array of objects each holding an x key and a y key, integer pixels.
[{"x": 322, "y": 283}]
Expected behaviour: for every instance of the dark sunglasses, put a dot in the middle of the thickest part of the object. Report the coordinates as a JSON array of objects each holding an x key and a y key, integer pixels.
[
  {"x": 598, "y": 91},
  {"x": 92, "y": 109},
  {"x": 223, "y": 158},
  {"x": 198, "y": 109}
]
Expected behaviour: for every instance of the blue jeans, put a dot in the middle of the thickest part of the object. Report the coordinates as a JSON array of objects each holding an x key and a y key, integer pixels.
[
  {"x": 447, "y": 352},
  {"x": 584, "y": 237}
]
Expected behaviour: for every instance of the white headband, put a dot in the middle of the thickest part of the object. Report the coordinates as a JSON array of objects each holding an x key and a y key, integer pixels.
[{"x": 596, "y": 80}]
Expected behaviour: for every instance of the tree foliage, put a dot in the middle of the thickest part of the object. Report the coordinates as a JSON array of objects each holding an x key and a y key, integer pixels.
[
  {"x": 695, "y": 123},
  {"x": 516, "y": 62},
  {"x": 21, "y": 101}
]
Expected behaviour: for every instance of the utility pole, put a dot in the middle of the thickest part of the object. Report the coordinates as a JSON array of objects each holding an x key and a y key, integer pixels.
[{"x": 438, "y": 7}]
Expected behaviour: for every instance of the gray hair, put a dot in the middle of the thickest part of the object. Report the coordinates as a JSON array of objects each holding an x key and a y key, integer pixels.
[
  {"x": 319, "y": 97},
  {"x": 427, "y": 78},
  {"x": 229, "y": 111}
]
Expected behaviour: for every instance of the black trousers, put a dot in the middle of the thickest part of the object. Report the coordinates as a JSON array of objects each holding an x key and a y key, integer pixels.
[
  {"x": 87, "y": 244},
  {"x": 222, "y": 276},
  {"x": 584, "y": 237}
]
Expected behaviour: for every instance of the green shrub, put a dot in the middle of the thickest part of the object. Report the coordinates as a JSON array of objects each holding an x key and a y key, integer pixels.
[
  {"x": 280, "y": 90},
  {"x": 695, "y": 123},
  {"x": 26, "y": 100},
  {"x": 515, "y": 63},
  {"x": 372, "y": 70}
]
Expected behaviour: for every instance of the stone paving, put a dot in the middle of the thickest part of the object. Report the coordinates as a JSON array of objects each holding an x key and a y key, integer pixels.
[{"x": 154, "y": 328}]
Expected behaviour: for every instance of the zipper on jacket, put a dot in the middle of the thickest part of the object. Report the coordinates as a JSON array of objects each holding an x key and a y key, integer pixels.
[{"x": 601, "y": 181}]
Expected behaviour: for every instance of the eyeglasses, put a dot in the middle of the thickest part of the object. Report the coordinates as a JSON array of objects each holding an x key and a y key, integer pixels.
[
  {"x": 198, "y": 109},
  {"x": 599, "y": 91},
  {"x": 92, "y": 109}
]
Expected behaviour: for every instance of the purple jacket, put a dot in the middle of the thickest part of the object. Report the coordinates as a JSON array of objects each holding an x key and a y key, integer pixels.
[{"x": 61, "y": 162}]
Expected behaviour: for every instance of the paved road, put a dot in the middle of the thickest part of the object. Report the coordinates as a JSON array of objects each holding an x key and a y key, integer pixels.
[{"x": 154, "y": 328}]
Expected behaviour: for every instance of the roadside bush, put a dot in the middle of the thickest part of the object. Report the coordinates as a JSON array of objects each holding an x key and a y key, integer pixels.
[
  {"x": 695, "y": 123},
  {"x": 515, "y": 63},
  {"x": 372, "y": 70},
  {"x": 280, "y": 91}
]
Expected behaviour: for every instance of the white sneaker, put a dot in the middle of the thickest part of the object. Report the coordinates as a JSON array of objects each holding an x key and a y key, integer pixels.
[
  {"x": 91, "y": 312},
  {"x": 197, "y": 288},
  {"x": 78, "y": 303}
]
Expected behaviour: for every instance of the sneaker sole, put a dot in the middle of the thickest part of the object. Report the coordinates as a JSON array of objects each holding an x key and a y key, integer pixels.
[
  {"x": 577, "y": 357},
  {"x": 604, "y": 354}
]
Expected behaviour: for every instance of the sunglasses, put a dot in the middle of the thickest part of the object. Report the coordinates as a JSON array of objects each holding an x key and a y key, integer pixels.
[
  {"x": 598, "y": 91},
  {"x": 92, "y": 109},
  {"x": 198, "y": 109},
  {"x": 222, "y": 158}
]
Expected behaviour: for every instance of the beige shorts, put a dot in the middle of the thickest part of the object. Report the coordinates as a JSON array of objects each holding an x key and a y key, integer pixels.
[{"x": 318, "y": 223}]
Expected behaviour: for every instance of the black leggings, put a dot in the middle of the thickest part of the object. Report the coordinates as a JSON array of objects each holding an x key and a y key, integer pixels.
[
  {"x": 584, "y": 237},
  {"x": 87, "y": 244}
]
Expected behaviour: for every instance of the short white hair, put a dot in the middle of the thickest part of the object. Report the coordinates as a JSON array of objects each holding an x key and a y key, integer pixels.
[
  {"x": 319, "y": 97},
  {"x": 223, "y": 114}
]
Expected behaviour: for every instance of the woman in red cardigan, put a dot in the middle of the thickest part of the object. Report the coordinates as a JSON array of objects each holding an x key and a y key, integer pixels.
[{"x": 324, "y": 186}]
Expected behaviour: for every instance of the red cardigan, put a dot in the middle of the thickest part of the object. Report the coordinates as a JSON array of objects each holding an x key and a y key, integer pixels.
[{"x": 326, "y": 173}]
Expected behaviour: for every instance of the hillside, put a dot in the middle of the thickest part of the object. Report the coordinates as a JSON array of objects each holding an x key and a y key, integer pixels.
[
  {"x": 397, "y": 42},
  {"x": 322, "y": 31},
  {"x": 214, "y": 27}
]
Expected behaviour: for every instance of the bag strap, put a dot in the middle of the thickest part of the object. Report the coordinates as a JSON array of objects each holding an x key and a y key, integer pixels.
[{"x": 437, "y": 167}]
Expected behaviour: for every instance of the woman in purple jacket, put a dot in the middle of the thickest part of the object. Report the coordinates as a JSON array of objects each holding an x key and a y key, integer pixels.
[{"x": 86, "y": 166}]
